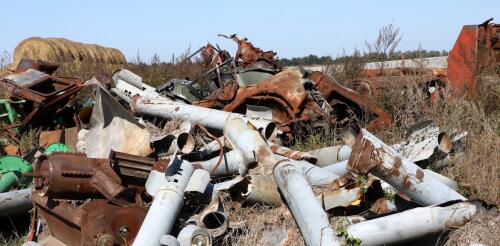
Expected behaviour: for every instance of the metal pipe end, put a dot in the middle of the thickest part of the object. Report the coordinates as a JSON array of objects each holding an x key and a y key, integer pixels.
[
  {"x": 185, "y": 142},
  {"x": 270, "y": 131},
  {"x": 445, "y": 143},
  {"x": 215, "y": 222}
]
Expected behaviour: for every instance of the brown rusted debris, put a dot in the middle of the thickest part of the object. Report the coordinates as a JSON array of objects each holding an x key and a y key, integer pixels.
[
  {"x": 290, "y": 94},
  {"x": 91, "y": 201},
  {"x": 44, "y": 94}
]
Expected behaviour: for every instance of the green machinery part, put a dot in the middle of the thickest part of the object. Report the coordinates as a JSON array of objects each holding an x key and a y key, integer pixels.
[
  {"x": 57, "y": 147},
  {"x": 11, "y": 169}
]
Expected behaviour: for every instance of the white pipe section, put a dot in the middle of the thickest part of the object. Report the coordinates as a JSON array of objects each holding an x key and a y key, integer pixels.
[
  {"x": 310, "y": 217},
  {"x": 373, "y": 155},
  {"x": 292, "y": 154},
  {"x": 174, "y": 143},
  {"x": 332, "y": 154},
  {"x": 248, "y": 141},
  {"x": 443, "y": 179},
  {"x": 212, "y": 118},
  {"x": 213, "y": 146},
  {"x": 230, "y": 164},
  {"x": 411, "y": 224},
  {"x": 191, "y": 234},
  {"x": 14, "y": 202},
  {"x": 313, "y": 174},
  {"x": 166, "y": 204}
]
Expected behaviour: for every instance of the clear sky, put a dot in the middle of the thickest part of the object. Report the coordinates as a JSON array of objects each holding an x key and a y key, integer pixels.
[{"x": 292, "y": 28}]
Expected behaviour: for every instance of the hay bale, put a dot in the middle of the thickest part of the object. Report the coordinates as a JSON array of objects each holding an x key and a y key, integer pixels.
[{"x": 62, "y": 50}]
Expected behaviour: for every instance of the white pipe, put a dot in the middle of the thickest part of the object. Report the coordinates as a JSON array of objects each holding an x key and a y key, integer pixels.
[
  {"x": 230, "y": 164},
  {"x": 191, "y": 234},
  {"x": 166, "y": 204},
  {"x": 213, "y": 146},
  {"x": 313, "y": 174},
  {"x": 212, "y": 118},
  {"x": 443, "y": 179},
  {"x": 332, "y": 154},
  {"x": 14, "y": 202},
  {"x": 256, "y": 189},
  {"x": 125, "y": 79},
  {"x": 370, "y": 154},
  {"x": 310, "y": 217},
  {"x": 292, "y": 154},
  {"x": 213, "y": 218},
  {"x": 411, "y": 224},
  {"x": 248, "y": 141},
  {"x": 168, "y": 145}
]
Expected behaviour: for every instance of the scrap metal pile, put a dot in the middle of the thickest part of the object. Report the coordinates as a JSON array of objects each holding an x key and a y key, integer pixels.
[{"x": 127, "y": 163}]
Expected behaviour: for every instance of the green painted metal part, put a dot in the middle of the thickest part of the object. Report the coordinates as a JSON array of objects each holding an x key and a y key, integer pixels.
[
  {"x": 57, "y": 147},
  {"x": 11, "y": 168},
  {"x": 7, "y": 113}
]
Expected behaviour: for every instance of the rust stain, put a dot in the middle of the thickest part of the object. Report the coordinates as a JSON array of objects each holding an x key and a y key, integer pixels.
[
  {"x": 380, "y": 206},
  {"x": 406, "y": 183},
  {"x": 395, "y": 168},
  {"x": 420, "y": 175},
  {"x": 364, "y": 156}
]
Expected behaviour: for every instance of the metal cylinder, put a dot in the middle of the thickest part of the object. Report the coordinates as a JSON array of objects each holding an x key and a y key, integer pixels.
[
  {"x": 310, "y": 217},
  {"x": 213, "y": 218},
  {"x": 62, "y": 174},
  {"x": 191, "y": 234},
  {"x": 332, "y": 154},
  {"x": 231, "y": 161},
  {"x": 256, "y": 189},
  {"x": 166, "y": 204},
  {"x": 168, "y": 145},
  {"x": 216, "y": 119},
  {"x": 411, "y": 224},
  {"x": 14, "y": 202},
  {"x": 370, "y": 154},
  {"x": 292, "y": 154},
  {"x": 248, "y": 141}
]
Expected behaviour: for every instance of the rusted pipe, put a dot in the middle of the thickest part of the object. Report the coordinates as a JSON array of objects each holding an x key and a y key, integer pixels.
[
  {"x": 310, "y": 217},
  {"x": 371, "y": 155},
  {"x": 292, "y": 154},
  {"x": 411, "y": 224}
]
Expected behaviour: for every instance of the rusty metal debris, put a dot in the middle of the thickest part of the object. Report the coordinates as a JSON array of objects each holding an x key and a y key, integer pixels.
[{"x": 169, "y": 165}]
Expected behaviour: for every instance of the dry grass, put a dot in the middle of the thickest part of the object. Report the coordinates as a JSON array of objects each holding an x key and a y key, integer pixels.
[
  {"x": 253, "y": 222},
  {"x": 64, "y": 50},
  {"x": 475, "y": 166},
  {"x": 483, "y": 228}
]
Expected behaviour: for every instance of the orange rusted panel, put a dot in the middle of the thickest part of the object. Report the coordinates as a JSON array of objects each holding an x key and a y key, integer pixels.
[{"x": 476, "y": 50}]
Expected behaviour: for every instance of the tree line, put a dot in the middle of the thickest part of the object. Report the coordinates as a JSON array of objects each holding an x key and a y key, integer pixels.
[{"x": 366, "y": 57}]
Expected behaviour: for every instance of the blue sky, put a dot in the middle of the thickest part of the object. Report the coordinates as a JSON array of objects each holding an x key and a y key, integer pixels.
[{"x": 292, "y": 28}]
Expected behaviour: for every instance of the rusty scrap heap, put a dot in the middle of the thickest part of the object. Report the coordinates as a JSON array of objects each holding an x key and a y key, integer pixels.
[{"x": 131, "y": 164}]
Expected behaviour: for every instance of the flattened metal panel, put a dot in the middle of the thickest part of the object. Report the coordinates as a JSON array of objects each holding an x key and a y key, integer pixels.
[{"x": 27, "y": 78}]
